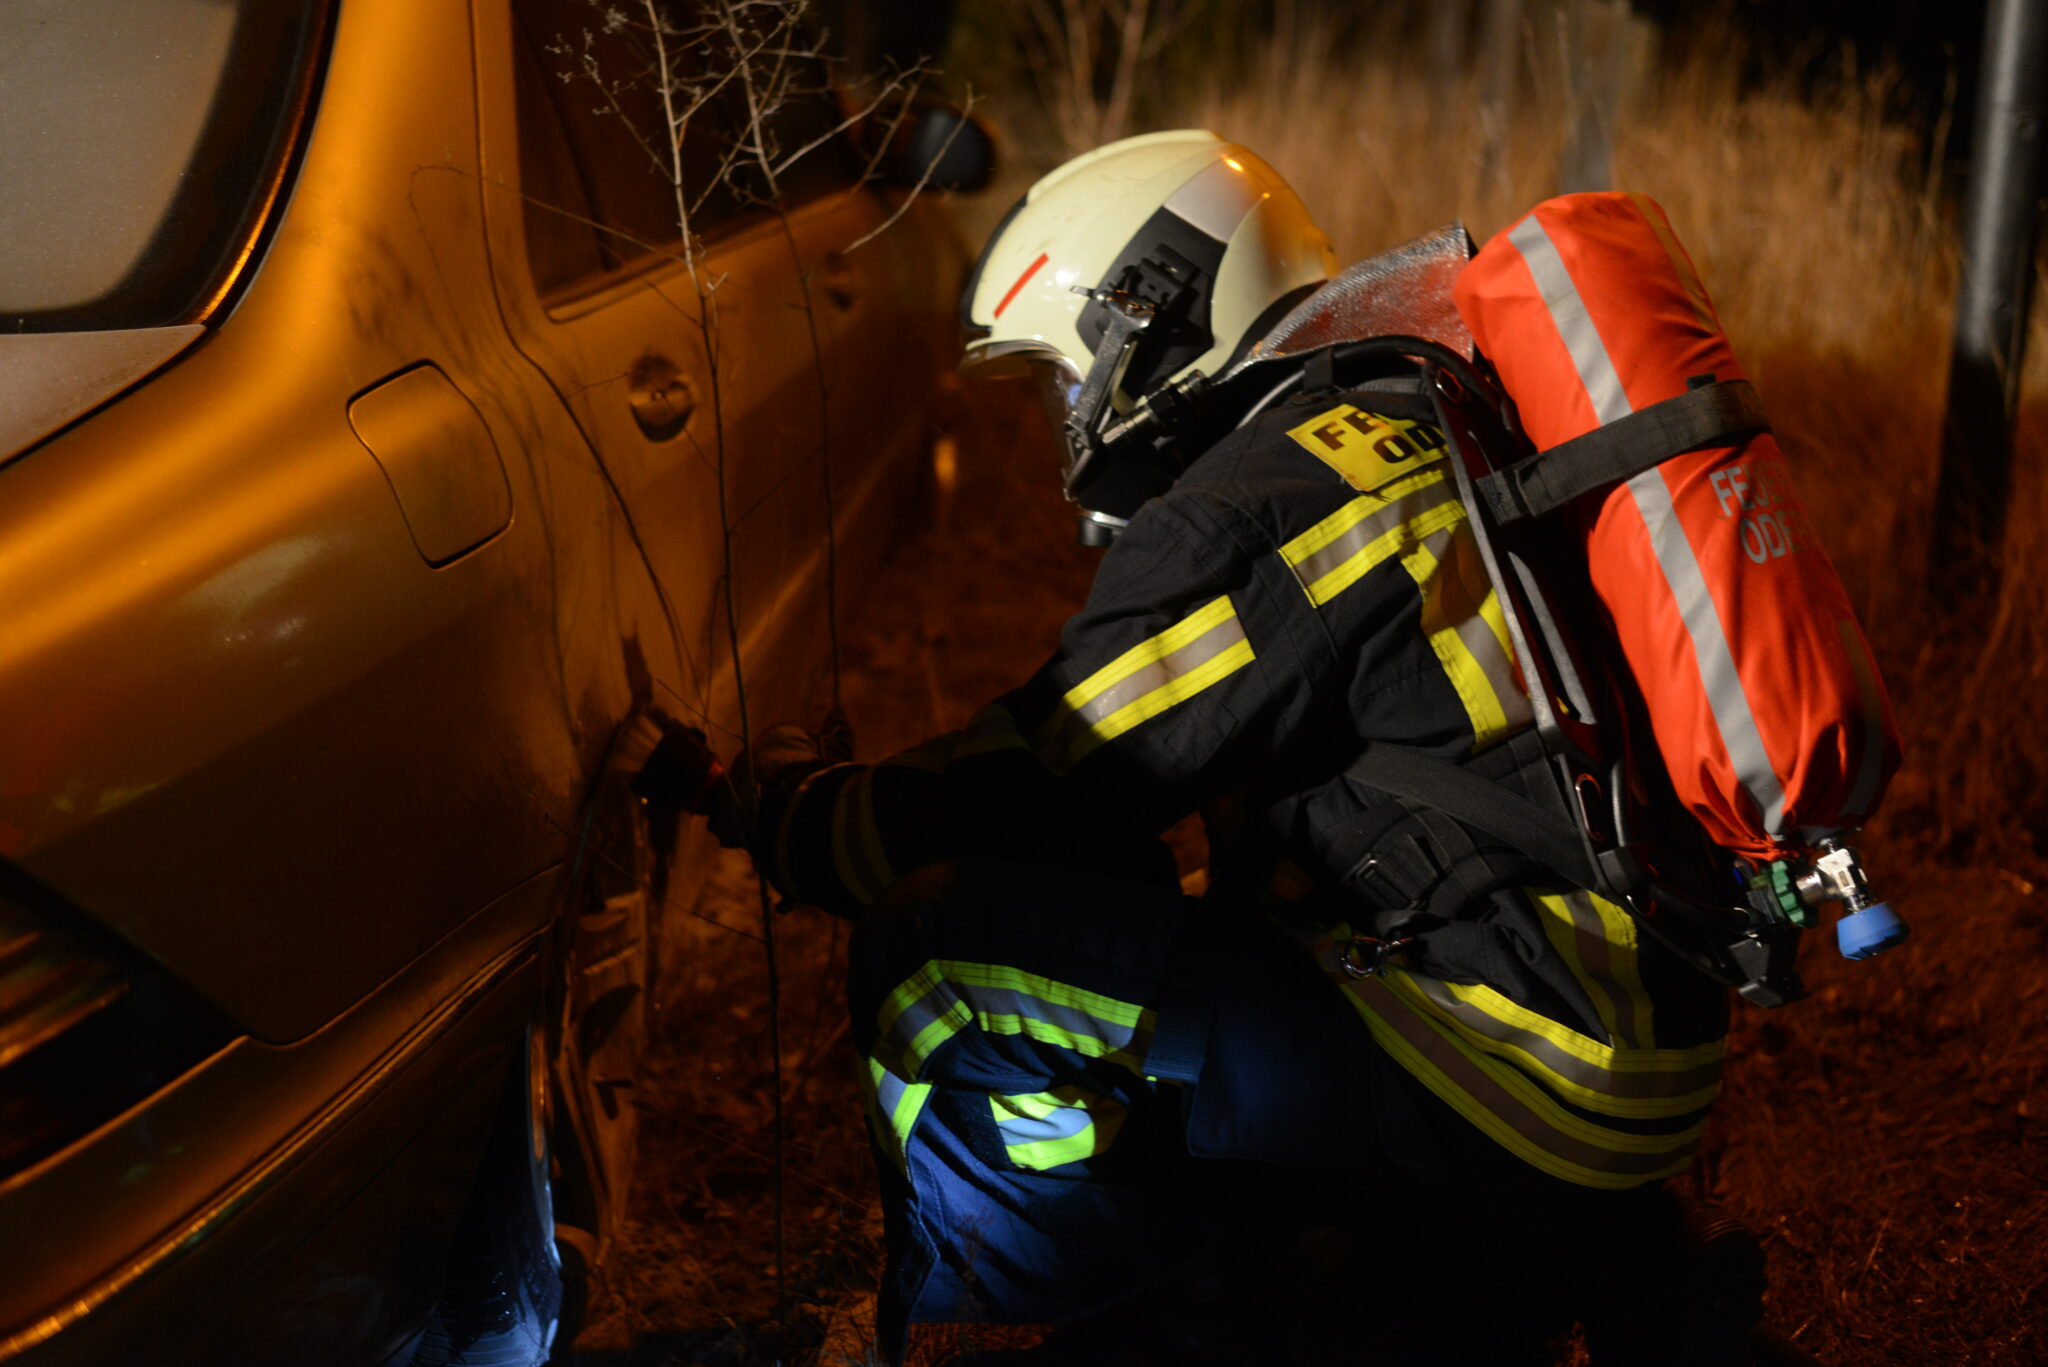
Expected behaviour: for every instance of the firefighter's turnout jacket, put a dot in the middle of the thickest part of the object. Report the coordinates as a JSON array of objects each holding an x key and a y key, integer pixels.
[{"x": 1308, "y": 585}]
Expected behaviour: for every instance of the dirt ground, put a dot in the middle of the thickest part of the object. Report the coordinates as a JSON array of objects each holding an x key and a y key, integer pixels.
[{"x": 1885, "y": 1137}]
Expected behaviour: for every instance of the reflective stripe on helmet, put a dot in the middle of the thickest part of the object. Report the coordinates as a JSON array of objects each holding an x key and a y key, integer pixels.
[
  {"x": 1022, "y": 280},
  {"x": 1208, "y": 203}
]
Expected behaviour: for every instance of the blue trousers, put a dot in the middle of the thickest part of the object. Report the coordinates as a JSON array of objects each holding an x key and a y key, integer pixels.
[{"x": 1080, "y": 1084}]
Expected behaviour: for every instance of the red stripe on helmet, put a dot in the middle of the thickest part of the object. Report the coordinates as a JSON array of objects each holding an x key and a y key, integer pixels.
[{"x": 1022, "y": 281}]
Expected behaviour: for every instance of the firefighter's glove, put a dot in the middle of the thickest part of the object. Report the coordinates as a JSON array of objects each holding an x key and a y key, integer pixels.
[{"x": 681, "y": 774}]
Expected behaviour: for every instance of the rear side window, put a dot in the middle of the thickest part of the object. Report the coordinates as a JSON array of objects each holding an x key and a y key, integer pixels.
[
  {"x": 142, "y": 143},
  {"x": 593, "y": 152}
]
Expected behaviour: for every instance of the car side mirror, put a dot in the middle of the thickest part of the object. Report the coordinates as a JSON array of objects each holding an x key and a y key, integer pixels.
[{"x": 945, "y": 148}]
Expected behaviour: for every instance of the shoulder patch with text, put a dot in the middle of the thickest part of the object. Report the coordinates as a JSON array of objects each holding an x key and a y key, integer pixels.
[{"x": 1368, "y": 449}]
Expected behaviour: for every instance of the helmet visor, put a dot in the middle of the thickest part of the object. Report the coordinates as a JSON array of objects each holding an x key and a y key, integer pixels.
[{"x": 1054, "y": 379}]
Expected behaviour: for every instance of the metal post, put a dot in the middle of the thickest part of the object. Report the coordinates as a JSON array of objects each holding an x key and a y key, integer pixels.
[{"x": 2001, "y": 217}]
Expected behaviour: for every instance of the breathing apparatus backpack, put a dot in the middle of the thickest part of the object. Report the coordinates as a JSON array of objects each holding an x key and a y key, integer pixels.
[{"x": 1709, "y": 725}]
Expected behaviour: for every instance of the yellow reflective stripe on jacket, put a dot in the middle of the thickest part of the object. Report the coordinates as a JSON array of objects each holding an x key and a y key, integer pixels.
[
  {"x": 945, "y": 996},
  {"x": 1499, "y": 1098},
  {"x": 1065, "y": 1125},
  {"x": 1509, "y": 1108},
  {"x": 789, "y": 810},
  {"x": 927, "y": 757},
  {"x": 1156, "y": 674},
  {"x": 1629, "y": 1084},
  {"x": 1340, "y": 550},
  {"x": 857, "y": 854},
  {"x": 989, "y": 730},
  {"x": 894, "y": 1106},
  {"x": 1422, "y": 522},
  {"x": 1597, "y": 941},
  {"x": 1461, "y": 615}
]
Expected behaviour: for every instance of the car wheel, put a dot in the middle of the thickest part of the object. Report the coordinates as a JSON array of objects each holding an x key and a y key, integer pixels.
[{"x": 501, "y": 1303}]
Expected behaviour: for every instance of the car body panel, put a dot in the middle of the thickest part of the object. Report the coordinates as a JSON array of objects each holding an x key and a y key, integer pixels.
[
  {"x": 877, "y": 353},
  {"x": 207, "y": 699},
  {"x": 289, "y": 1135},
  {"x": 438, "y": 456},
  {"x": 310, "y": 701},
  {"x": 55, "y": 376}
]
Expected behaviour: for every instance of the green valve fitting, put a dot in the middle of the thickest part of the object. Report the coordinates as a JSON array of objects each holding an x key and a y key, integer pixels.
[{"x": 1778, "y": 880}]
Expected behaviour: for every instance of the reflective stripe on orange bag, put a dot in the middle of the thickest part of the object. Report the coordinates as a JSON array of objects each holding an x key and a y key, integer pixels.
[{"x": 1760, "y": 686}]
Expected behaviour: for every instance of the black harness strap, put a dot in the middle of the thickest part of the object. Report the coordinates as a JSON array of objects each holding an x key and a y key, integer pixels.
[
  {"x": 1453, "y": 833},
  {"x": 1479, "y": 800},
  {"x": 1714, "y": 413}
]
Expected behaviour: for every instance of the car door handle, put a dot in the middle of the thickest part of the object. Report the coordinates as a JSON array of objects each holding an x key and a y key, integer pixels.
[{"x": 661, "y": 397}]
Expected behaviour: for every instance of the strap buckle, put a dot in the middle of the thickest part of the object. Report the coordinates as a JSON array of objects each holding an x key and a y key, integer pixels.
[{"x": 1365, "y": 956}]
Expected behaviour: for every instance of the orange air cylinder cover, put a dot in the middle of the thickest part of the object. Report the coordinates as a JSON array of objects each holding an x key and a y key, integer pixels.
[{"x": 1760, "y": 686}]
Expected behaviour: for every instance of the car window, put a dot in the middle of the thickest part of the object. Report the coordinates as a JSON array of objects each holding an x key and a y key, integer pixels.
[
  {"x": 141, "y": 145},
  {"x": 593, "y": 158}
]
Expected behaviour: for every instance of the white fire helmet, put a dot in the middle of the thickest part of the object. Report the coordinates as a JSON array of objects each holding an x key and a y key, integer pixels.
[{"x": 1187, "y": 221}]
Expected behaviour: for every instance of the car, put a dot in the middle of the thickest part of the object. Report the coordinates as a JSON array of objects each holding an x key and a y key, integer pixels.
[{"x": 373, "y": 496}]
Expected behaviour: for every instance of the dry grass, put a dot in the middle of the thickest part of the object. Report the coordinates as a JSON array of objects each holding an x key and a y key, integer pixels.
[{"x": 1888, "y": 1135}]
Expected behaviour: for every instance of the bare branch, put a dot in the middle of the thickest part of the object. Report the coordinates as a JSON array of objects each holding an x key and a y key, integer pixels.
[
  {"x": 898, "y": 85},
  {"x": 924, "y": 177}
]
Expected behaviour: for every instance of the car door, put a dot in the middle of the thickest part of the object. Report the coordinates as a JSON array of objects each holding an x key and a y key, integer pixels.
[
  {"x": 280, "y": 695},
  {"x": 703, "y": 410}
]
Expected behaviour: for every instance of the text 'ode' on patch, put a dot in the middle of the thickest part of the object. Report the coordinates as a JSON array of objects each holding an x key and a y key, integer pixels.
[{"x": 1368, "y": 449}]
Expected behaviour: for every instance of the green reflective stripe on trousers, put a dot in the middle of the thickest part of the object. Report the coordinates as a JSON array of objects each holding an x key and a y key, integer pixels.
[
  {"x": 945, "y": 996},
  {"x": 919, "y": 1016},
  {"x": 1629, "y": 1084},
  {"x": 894, "y": 1108},
  {"x": 1046, "y": 1129}
]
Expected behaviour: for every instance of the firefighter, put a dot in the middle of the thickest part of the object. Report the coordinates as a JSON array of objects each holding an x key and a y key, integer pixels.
[{"x": 1107, "y": 1106}]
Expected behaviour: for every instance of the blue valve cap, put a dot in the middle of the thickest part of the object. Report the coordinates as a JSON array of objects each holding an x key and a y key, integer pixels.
[{"x": 1870, "y": 931}]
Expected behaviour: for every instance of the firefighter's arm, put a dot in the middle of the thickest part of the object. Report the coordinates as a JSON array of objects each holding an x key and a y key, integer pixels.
[{"x": 1196, "y": 663}]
